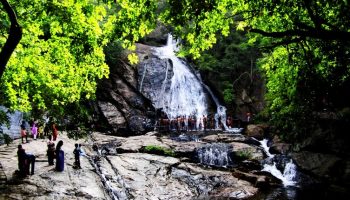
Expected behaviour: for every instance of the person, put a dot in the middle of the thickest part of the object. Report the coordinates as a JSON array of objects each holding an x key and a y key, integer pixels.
[
  {"x": 34, "y": 130},
  {"x": 248, "y": 117},
  {"x": 21, "y": 154},
  {"x": 46, "y": 129},
  {"x": 24, "y": 161},
  {"x": 59, "y": 156},
  {"x": 54, "y": 132},
  {"x": 77, "y": 153},
  {"x": 24, "y": 133},
  {"x": 50, "y": 151},
  {"x": 40, "y": 130}
]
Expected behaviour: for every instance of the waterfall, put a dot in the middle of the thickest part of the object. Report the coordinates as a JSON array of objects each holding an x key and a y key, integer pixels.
[
  {"x": 288, "y": 177},
  {"x": 216, "y": 154},
  {"x": 15, "y": 122},
  {"x": 185, "y": 96}
]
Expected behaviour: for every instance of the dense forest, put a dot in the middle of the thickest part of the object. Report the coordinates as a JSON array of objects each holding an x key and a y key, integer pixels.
[{"x": 53, "y": 52}]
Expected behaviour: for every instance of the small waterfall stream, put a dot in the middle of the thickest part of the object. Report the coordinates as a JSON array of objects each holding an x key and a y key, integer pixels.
[
  {"x": 289, "y": 174},
  {"x": 216, "y": 154}
]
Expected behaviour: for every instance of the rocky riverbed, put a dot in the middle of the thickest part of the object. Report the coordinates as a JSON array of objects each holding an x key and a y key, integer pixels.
[{"x": 125, "y": 168}]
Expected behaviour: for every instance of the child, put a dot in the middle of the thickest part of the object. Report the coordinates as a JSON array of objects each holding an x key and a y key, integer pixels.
[
  {"x": 24, "y": 133},
  {"x": 76, "y": 153}
]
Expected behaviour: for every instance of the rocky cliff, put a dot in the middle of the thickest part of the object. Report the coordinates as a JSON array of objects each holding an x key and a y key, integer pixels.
[{"x": 121, "y": 105}]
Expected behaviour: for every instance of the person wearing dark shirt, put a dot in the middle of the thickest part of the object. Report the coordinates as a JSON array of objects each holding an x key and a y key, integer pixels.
[{"x": 24, "y": 161}]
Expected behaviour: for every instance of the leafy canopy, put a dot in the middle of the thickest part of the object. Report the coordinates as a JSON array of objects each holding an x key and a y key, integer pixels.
[{"x": 60, "y": 56}]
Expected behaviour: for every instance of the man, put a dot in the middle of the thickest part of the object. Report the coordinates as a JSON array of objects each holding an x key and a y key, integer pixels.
[{"x": 24, "y": 160}]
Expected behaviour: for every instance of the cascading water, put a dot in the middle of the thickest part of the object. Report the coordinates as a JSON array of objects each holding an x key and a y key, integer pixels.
[
  {"x": 216, "y": 154},
  {"x": 185, "y": 96},
  {"x": 288, "y": 177}
]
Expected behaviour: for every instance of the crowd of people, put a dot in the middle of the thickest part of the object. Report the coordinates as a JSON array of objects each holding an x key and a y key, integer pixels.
[
  {"x": 55, "y": 154},
  {"x": 38, "y": 130},
  {"x": 193, "y": 123}
]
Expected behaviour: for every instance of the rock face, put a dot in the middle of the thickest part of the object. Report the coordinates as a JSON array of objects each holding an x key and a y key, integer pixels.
[
  {"x": 323, "y": 165},
  {"x": 121, "y": 105},
  {"x": 255, "y": 131},
  {"x": 136, "y": 175}
]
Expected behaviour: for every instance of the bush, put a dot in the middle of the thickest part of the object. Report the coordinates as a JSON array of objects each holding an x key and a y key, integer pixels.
[
  {"x": 6, "y": 138},
  {"x": 158, "y": 150},
  {"x": 244, "y": 154}
]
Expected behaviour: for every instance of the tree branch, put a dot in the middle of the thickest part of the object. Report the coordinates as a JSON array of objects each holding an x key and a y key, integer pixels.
[
  {"x": 312, "y": 33},
  {"x": 15, "y": 35}
]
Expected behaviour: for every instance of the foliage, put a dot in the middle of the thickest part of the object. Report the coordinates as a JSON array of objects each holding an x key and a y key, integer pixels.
[
  {"x": 243, "y": 154},
  {"x": 195, "y": 22},
  {"x": 60, "y": 56},
  {"x": 306, "y": 59},
  {"x": 4, "y": 119},
  {"x": 6, "y": 138},
  {"x": 230, "y": 62},
  {"x": 158, "y": 150}
]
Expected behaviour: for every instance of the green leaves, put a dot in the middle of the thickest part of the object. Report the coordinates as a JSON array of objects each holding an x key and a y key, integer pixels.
[{"x": 60, "y": 56}]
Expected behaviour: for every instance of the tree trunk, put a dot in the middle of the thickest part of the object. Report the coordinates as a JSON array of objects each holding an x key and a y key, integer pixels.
[{"x": 13, "y": 39}]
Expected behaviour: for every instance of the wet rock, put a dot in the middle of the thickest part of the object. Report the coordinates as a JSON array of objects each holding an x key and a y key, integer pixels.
[
  {"x": 255, "y": 131},
  {"x": 247, "y": 151},
  {"x": 213, "y": 183},
  {"x": 121, "y": 106},
  {"x": 260, "y": 181},
  {"x": 322, "y": 165},
  {"x": 225, "y": 138},
  {"x": 280, "y": 148}
]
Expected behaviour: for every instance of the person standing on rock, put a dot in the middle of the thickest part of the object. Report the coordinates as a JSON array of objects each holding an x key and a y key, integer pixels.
[
  {"x": 50, "y": 151},
  {"x": 54, "y": 132},
  {"x": 34, "y": 131},
  {"x": 24, "y": 133},
  {"x": 22, "y": 164},
  {"x": 59, "y": 157},
  {"x": 77, "y": 153}
]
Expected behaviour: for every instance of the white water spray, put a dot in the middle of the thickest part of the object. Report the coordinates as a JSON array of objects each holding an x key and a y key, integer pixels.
[
  {"x": 186, "y": 96},
  {"x": 289, "y": 173}
]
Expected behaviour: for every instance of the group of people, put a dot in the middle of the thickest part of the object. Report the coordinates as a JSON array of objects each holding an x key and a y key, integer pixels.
[
  {"x": 54, "y": 154},
  {"x": 38, "y": 130},
  {"x": 193, "y": 123}
]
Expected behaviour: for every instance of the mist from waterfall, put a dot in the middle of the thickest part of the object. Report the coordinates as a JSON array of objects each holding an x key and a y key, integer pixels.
[{"x": 185, "y": 96}]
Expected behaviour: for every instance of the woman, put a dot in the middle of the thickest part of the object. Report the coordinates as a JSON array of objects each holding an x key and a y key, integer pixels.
[
  {"x": 34, "y": 130},
  {"x": 59, "y": 157},
  {"x": 50, "y": 151}
]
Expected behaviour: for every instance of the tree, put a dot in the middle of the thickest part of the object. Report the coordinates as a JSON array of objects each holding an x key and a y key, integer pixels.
[
  {"x": 306, "y": 57},
  {"x": 60, "y": 55}
]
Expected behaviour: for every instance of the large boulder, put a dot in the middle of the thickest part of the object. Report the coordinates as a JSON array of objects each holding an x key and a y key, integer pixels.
[
  {"x": 255, "y": 131},
  {"x": 325, "y": 166},
  {"x": 121, "y": 106}
]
